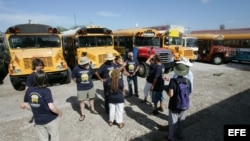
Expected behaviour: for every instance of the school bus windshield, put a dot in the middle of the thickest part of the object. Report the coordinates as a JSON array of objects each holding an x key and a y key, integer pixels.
[
  {"x": 192, "y": 42},
  {"x": 95, "y": 41},
  {"x": 173, "y": 41},
  {"x": 31, "y": 41},
  {"x": 147, "y": 41}
]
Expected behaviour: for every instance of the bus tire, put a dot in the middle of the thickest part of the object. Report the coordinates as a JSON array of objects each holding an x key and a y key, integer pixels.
[
  {"x": 217, "y": 59},
  {"x": 143, "y": 71},
  {"x": 16, "y": 84},
  {"x": 67, "y": 79}
]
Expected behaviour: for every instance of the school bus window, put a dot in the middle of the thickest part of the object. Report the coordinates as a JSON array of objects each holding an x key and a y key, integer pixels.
[
  {"x": 48, "y": 41},
  {"x": 200, "y": 42},
  {"x": 86, "y": 41},
  {"x": 191, "y": 43},
  {"x": 104, "y": 40},
  {"x": 145, "y": 41},
  {"x": 155, "y": 41},
  {"x": 245, "y": 42},
  {"x": 95, "y": 41},
  {"x": 217, "y": 42},
  {"x": 120, "y": 41},
  {"x": 34, "y": 41}
]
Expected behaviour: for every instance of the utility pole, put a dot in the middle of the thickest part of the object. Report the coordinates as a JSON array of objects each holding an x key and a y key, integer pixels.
[{"x": 75, "y": 19}]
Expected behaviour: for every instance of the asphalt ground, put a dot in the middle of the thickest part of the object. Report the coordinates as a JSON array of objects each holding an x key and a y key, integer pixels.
[{"x": 221, "y": 96}]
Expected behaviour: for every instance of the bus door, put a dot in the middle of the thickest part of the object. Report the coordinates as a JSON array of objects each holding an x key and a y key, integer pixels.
[
  {"x": 123, "y": 45},
  {"x": 204, "y": 49},
  {"x": 70, "y": 51}
]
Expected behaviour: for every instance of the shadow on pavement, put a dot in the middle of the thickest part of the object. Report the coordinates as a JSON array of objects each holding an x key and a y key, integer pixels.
[
  {"x": 208, "y": 124},
  {"x": 74, "y": 103}
]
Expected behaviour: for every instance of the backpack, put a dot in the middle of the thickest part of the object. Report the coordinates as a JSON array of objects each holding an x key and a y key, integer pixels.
[{"x": 183, "y": 93}]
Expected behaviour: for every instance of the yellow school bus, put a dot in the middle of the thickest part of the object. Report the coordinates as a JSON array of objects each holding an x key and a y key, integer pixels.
[
  {"x": 192, "y": 43},
  {"x": 28, "y": 41},
  {"x": 91, "y": 41},
  {"x": 142, "y": 42},
  {"x": 172, "y": 40}
]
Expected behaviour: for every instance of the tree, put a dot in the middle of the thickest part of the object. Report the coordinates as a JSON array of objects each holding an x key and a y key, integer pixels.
[
  {"x": 222, "y": 27},
  {"x": 61, "y": 29}
]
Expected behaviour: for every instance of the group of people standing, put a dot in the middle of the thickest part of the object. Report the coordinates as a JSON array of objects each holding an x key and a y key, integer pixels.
[
  {"x": 111, "y": 74},
  {"x": 38, "y": 96}
]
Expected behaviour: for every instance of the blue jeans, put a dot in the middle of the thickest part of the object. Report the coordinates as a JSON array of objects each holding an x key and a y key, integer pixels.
[
  {"x": 176, "y": 123},
  {"x": 132, "y": 79},
  {"x": 157, "y": 96}
]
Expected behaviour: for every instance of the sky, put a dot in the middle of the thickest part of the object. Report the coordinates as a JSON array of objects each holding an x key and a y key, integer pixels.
[{"x": 121, "y": 14}]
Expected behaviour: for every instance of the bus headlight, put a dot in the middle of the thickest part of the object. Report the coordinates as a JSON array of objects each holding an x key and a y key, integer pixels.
[
  {"x": 94, "y": 66},
  {"x": 59, "y": 67},
  {"x": 17, "y": 71}
]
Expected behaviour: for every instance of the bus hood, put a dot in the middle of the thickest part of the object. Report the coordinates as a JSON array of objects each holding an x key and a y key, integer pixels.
[
  {"x": 98, "y": 55},
  {"x": 100, "y": 50},
  {"x": 33, "y": 53}
]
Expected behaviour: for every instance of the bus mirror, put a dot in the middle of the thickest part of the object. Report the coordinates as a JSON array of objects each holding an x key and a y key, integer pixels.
[
  {"x": 77, "y": 44},
  {"x": 167, "y": 41}
]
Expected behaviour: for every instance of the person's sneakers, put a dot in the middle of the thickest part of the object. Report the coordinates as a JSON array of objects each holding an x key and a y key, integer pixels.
[
  {"x": 155, "y": 112},
  {"x": 160, "y": 109}
]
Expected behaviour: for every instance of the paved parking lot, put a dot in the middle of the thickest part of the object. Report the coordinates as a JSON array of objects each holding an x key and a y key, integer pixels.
[{"x": 221, "y": 96}]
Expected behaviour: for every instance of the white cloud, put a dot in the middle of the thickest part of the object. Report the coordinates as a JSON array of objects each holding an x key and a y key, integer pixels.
[{"x": 107, "y": 14}]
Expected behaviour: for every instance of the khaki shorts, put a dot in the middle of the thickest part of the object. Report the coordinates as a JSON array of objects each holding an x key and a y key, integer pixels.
[{"x": 86, "y": 94}]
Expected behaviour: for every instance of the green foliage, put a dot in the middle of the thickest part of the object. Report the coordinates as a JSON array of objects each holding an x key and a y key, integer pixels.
[
  {"x": 222, "y": 27},
  {"x": 61, "y": 29}
]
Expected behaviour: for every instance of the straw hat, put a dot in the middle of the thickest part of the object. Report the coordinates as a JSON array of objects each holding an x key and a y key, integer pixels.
[
  {"x": 184, "y": 61},
  {"x": 181, "y": 69},
  {"x": 83, "y": 61},
  {"x": 109, "y": 56}
]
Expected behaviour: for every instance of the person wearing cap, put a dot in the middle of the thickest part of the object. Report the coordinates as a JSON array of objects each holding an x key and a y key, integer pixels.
[
  {"x": 103, "y": 74},
  {"x": 131, "y": 68},
  {"x": 176, "y": 117},
  {"x": 82, "y": 76},
  {"x": 186, "y": 62}
]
